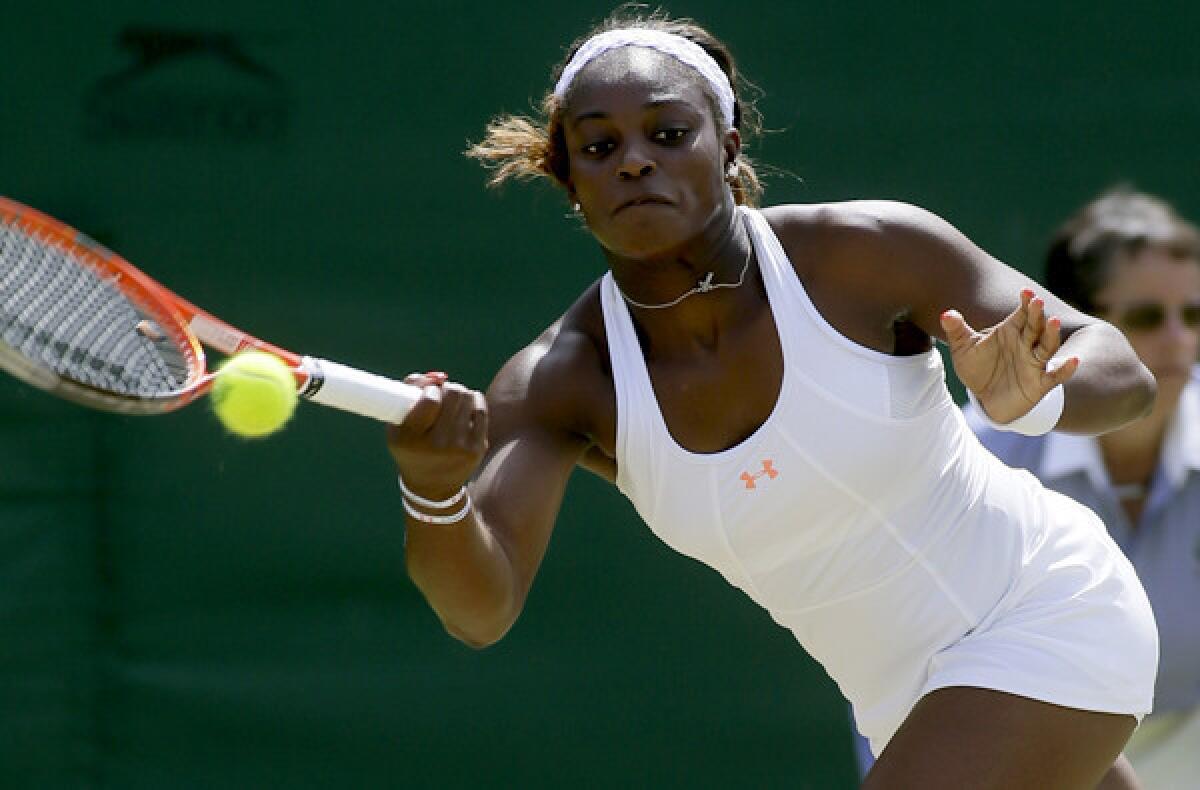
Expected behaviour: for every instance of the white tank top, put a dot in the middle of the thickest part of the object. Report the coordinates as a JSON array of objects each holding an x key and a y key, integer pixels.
[{"x": 863, "y": 514}]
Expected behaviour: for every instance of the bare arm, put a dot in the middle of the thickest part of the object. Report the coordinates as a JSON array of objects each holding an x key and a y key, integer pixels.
[
  {"x": 921, "y": 267},
  {"x": 476, "y": 573}
]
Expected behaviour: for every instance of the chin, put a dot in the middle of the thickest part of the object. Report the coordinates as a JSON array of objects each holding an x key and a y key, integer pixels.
[
  {"x": 1179, "y": 373},
  {"x": 1170, "y": 388},
  {"x": 642, "y": 237}
]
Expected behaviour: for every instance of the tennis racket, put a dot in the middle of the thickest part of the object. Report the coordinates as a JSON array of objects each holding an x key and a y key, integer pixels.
[{"x": 84, "y": 324}]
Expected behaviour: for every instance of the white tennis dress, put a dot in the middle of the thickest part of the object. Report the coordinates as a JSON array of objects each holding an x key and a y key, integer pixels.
[{"x": 866, "y": 518}]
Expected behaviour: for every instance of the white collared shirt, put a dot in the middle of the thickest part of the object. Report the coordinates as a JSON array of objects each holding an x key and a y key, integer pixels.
[
  {"x": 1164, "y": 545},
  {"x": 1066, "y": 454}
]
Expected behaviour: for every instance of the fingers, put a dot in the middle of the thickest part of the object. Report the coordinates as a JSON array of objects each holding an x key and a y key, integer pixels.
[
  {"x": 958, "y": 332},
  {"x": 432, "y": 378},
  {"x": 1060, "y": 374},
  {"x": 1020, "y": 316},
  {"x": 1033, "y": 311},
  {"x": 1043, "y": 337},
  {"x": 1048, "y": 342},
  {"x": 462, "y": 423},
  {"x": 424, "y": 413},
  {"x": 448, "y": 415},
  {"x": 479, "y": 421}
]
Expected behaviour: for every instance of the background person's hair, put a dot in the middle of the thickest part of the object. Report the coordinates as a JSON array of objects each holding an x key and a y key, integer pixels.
[
  {"x": 523, "y": 148},
  {"x": 1115, "y": 226}
]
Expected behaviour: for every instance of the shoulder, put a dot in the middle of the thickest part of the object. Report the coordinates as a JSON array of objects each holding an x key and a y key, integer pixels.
[
  {"x": 879, "y": 271},
  {"x": 903, "y": 260},
  {"x": 860, "y": 228},
  {"x": 562, "y": 379}
]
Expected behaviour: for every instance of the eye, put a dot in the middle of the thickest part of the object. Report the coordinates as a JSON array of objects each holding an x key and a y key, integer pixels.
[
  {"x": 1143, "y": 317},
  {"x": 598, "y": 148},
  {"x": 669, "y": 136},
  {"x": 1191, "y": 316}
]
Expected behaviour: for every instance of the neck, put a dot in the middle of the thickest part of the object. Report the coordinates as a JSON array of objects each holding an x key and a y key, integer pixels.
[
  {"x": 722, "y": 249},
  {"x": 1131, "y": 453}
]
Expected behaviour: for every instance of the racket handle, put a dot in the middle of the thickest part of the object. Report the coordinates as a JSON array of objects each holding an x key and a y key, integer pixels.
[{"x": 357, "y": 391}]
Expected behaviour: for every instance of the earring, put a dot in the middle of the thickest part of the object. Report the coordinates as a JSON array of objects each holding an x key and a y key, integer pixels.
[{"x": 731, "y": 171}]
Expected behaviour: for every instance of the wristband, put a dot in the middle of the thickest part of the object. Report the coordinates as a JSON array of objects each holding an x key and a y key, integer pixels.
[
  {"x": 1039, "y": 420},
  {"x": 416, "y": 499},
  {"x": 440, "y": 521}
]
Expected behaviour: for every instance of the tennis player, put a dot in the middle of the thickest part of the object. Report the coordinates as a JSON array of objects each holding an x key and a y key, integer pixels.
[{"x": 763, "y": 386}]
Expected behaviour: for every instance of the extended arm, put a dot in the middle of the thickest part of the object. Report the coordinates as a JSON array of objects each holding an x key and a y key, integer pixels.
[
  {"x": 476, "y": 573},
  {"x": 1029, "y": 341}
]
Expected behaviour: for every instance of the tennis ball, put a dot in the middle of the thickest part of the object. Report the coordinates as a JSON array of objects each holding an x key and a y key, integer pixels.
[{"x": 254, "y": 394}]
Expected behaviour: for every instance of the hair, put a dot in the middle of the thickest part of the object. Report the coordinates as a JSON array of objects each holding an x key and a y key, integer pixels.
[
  {"x": 524, "y": 148},
  {"x": 1117, "y": 225}
]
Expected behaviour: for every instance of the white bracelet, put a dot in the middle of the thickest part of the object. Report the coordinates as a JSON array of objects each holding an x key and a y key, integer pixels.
[
  {"x": 1041, "y": 419},
  {"x": 423, "y": 502},
  {"x": 441, "y": 521}
]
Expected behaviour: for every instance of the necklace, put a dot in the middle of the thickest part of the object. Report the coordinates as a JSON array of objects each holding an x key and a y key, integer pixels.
[{"x": 703, "y": 286}]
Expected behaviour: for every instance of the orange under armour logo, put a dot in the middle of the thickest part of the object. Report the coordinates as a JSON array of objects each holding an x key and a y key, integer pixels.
[{"x": 768, "y": 469}]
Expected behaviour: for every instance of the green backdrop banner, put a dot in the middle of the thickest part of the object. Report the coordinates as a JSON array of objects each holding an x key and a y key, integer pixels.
[{"x": 181, "y": 609}]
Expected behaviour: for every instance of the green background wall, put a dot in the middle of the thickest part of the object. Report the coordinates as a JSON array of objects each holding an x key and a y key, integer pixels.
[{"x": 179, "y": 609}]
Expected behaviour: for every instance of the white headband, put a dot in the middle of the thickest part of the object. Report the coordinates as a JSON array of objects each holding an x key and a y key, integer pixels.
[{"x": 687, "y": 52}]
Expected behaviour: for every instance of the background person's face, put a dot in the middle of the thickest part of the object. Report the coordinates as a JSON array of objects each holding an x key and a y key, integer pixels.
[
  {"x": 640, "y": 128},
  {"x": 1139, "y": 287}
]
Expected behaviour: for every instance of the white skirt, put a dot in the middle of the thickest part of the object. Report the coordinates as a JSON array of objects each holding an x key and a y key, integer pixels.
[{"x": 1075, "y": 629}]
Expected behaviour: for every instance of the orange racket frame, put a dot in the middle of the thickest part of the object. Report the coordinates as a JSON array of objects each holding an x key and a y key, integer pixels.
[{"x": 190, "y": 329}]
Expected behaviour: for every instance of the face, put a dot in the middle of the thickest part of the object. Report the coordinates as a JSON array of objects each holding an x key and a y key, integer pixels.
[
  {"x": 647, "y": 161},
  {"x": 1155, "y": 300}
]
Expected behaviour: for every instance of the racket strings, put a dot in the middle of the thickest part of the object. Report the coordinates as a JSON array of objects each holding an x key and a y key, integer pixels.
[{"x": 64, "y": 315}]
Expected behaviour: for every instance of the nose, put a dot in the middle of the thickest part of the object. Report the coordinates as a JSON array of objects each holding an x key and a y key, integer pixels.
[
  {"x": 634, "y": 165},
  {"x": 1176, "y": 340},
  {"x": 1177, "y": 329},
  {"x": 1179, "y": 334}
]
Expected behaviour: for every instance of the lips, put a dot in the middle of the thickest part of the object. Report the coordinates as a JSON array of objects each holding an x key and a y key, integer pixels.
[{"x": 643, "y": 200}]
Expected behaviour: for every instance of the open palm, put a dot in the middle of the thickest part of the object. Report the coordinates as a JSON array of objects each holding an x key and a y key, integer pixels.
[{"x": 1006, "y": 366}]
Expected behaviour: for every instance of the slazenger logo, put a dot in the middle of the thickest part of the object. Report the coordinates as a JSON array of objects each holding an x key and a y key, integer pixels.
[
  {"x": 768, "y": 470},
  {"x": 187, "y": 85}
]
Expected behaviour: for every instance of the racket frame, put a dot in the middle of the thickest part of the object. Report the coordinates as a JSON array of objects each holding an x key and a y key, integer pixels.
[{"x": 191, "y": 329}]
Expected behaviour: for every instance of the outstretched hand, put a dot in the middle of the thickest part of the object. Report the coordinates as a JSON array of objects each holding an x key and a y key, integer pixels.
[{"x": 1007, "y": 366}]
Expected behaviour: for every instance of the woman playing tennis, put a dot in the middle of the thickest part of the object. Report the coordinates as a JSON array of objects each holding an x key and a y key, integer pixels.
[{"x": 763, "y": 386}]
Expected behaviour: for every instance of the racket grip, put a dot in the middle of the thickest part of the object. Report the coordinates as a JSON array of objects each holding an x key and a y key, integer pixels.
[{"x": 357, "y": 391}]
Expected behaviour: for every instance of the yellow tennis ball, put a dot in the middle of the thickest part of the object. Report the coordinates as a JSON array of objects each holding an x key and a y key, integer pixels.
[{"x": 254, "y": 394}]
